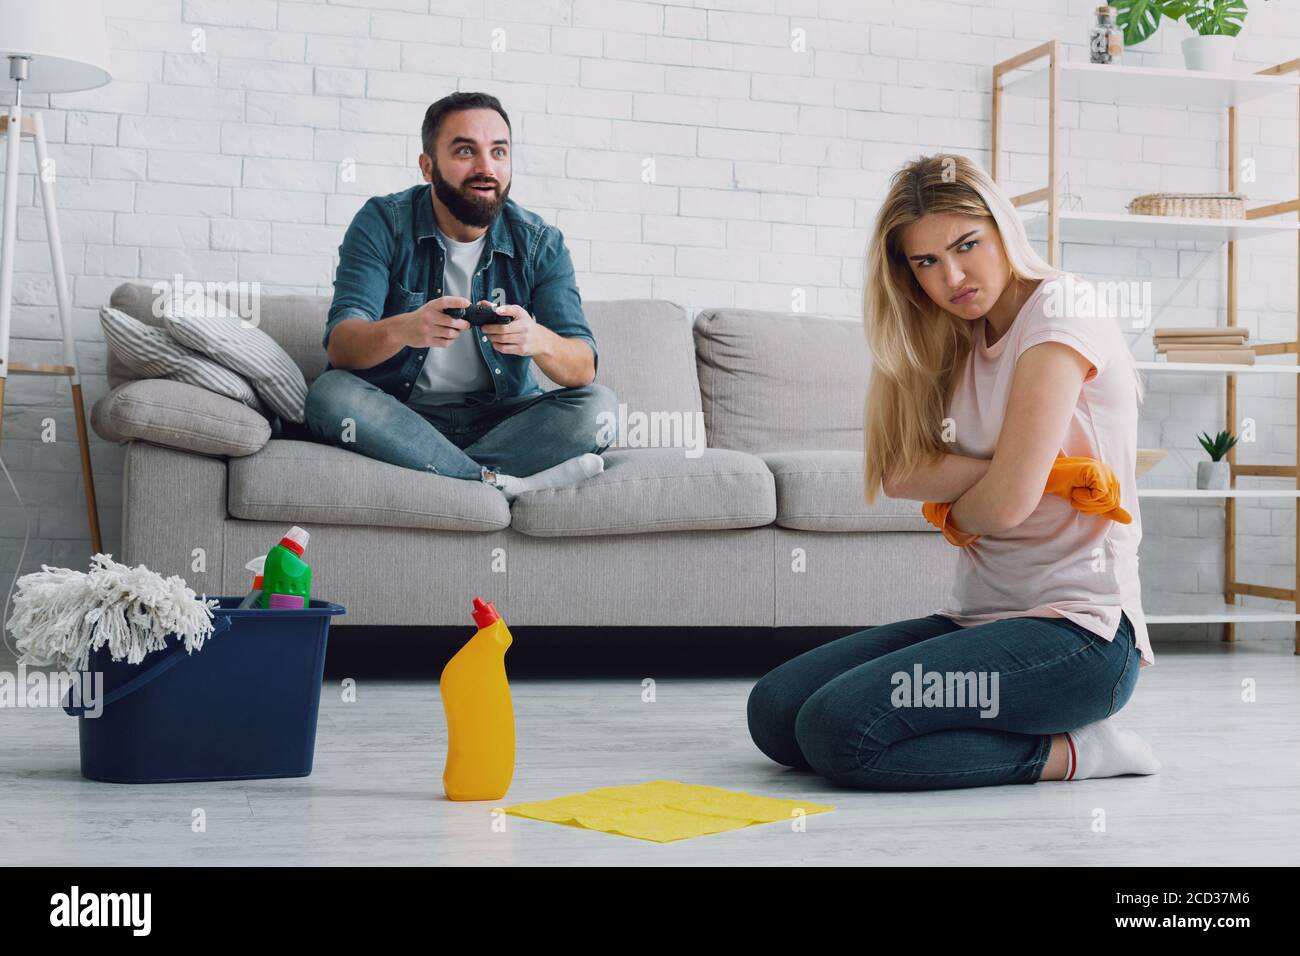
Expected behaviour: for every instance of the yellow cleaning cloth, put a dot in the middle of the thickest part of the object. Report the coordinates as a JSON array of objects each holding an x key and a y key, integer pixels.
[{"x": 663, "y": 810}]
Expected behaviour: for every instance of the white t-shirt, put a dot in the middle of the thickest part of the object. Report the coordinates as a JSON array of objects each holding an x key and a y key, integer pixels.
[
  {"x": 448, "y": 373},
  {"x": 1059, "y": 562}
]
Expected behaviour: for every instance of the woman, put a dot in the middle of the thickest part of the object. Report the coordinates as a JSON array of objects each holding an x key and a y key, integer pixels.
[{"x": 985, "y": 372}]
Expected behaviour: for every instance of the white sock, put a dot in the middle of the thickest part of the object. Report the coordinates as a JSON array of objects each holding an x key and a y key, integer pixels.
[
  {"x": 558, "y": 476},
  {"x": 1104, "y": 749}
]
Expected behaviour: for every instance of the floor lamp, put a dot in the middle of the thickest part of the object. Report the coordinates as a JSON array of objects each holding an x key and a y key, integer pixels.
[{"x": 51, "y": 46}]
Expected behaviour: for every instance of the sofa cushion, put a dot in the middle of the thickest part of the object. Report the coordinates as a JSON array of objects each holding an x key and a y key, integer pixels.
[
  {"x": 179, "y": 415},
  {"x": 646, "y": 356},
  {"x": 295, "y": 322},
  {"x": 653, "y": 489},
  {"x": 309, "y": 482},
  {"x": 148, "y": 352},
  {"x": 775, "y": 381},
  {"x": 208, "y": 327},
  {"x": 646, "y": 351},
  {"x": 823, "y": 491}
]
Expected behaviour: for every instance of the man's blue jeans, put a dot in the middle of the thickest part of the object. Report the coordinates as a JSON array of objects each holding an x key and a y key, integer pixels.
[
  {"x": 518, "y": 436},
  {"x": 830, "y": 709}
]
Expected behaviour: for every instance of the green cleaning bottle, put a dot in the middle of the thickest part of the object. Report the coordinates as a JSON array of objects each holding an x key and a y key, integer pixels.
[{"x": 286, "y": 577}]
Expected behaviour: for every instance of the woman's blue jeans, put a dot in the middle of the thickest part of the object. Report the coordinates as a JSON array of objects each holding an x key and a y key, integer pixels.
[
  {"x": 855, "y": 711},
  {"x": 517, "y": 436}
]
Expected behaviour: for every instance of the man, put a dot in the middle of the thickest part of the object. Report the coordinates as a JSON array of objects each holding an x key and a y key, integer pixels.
[{"x": 409, "y": 384}]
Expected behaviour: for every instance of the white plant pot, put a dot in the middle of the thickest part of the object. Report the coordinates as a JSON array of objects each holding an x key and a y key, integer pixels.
[
  {"x": 1213, "y": 475},
  {"x": 1211, "y": 53}
]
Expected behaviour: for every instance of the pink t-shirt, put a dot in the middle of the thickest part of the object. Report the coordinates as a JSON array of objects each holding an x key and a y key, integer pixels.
[{"x": 1059, "y": 562}]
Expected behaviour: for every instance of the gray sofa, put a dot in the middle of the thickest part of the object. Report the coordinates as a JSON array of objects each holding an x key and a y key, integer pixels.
[{"x": 766, "y": 528}]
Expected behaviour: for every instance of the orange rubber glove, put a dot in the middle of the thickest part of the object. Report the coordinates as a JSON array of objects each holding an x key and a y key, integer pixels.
[
  {"x": 1089, "y": 485},
  {"x": 937, "y": 514}
]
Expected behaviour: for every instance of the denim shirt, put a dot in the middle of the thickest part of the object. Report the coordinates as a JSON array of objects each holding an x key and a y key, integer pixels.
[{"x": 391, "y": 261}]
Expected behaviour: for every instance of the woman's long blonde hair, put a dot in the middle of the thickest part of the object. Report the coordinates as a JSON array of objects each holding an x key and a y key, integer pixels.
[{"x": 919, "y": 350}]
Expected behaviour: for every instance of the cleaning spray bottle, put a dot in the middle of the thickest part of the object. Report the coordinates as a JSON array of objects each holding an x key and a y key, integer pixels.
[
  {"x": 480, "y": 717},
  {"x": 286, "y": 577},
  {"x": 254, "y": 597}
]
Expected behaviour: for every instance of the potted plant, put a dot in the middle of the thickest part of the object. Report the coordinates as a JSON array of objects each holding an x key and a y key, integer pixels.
[
  {"x": 1216, "y": 22},
  {"x": 1215, "y": 473}
]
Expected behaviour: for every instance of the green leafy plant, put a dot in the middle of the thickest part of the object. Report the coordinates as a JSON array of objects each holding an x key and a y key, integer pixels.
[
  {"x": 1140, "y": 18},
  {"x": 1218, "y": 446}
]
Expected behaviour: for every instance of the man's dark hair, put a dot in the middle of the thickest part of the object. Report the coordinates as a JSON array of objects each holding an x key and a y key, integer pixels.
[{"x": 454, "y": 103}]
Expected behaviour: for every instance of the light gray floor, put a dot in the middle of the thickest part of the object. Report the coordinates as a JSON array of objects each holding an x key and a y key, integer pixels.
[{"x": 1229, "y": 793}]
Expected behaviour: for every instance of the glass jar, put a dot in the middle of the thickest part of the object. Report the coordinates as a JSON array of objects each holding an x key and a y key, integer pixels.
[{"x": 1106, "y": 41}]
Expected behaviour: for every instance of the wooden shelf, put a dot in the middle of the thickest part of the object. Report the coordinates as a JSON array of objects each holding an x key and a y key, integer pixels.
[
  {"x": 1219, "y": 492},
  {"x": 1218, "y": 367},
  {"x": 1150, "y": 86},
  {"x": 1109, "y": 226},
  {"x": 1224, "y": 613}
]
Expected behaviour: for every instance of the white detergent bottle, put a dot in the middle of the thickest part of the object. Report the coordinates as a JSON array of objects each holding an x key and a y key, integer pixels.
[{"x": 254, "y": 597}]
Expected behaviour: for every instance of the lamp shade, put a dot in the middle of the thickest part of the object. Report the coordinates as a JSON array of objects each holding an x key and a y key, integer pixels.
[{"x": 66, "y": 40}]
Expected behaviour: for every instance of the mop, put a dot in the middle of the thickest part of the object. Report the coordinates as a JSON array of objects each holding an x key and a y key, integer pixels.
[{"x": 61, "y": 615}]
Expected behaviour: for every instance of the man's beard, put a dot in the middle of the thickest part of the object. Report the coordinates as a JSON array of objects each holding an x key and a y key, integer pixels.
[{"x": 471, "y": 209}]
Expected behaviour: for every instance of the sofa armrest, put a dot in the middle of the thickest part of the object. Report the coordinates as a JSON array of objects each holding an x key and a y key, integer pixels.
[
  {"x": 179, "y": 415},
  {"x": 174, "y": 516}
]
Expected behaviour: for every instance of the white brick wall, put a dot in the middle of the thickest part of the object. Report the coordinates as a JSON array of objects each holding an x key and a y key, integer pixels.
[{"x": 770, "y": 160}]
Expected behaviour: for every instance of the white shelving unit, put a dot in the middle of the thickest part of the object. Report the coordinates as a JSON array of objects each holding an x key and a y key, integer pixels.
[
  {"x": 1149, "y": 86},
  {"x": 1220, "y": 493},
  {"x": 1142, "y": 85},
  {"x": 1228, "y": 613},
  {"x": 1204, "y": 368},
  {"x": 1095, "y": 226}
]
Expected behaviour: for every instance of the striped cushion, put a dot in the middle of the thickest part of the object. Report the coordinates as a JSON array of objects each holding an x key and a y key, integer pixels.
[
  {"x": 206, "y": 326},
  {"x": 148, "y": 352}
]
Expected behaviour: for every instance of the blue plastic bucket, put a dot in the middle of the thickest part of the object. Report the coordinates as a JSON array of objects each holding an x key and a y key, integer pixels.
[{"x": 242, "y": 707}]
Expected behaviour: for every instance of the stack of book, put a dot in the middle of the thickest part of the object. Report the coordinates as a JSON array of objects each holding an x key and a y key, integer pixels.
[{"x": 1219, "y": 343}]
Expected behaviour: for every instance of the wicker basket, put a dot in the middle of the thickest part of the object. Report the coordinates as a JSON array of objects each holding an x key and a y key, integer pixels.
[{"x": 1191, "y": 205}]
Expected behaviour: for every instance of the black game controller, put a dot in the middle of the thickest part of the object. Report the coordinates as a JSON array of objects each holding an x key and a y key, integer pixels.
[{"x": 479, "y": 315}]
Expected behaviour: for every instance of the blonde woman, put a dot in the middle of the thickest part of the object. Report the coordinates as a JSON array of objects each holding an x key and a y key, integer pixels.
[{"x": 1007, "y": 407}]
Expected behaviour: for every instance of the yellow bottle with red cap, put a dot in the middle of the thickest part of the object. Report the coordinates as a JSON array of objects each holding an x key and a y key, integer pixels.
[{"x": 480, "y": 716}]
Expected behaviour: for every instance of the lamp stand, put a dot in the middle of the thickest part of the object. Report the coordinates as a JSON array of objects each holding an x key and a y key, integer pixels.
[{"x": 14, "y": 127}]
